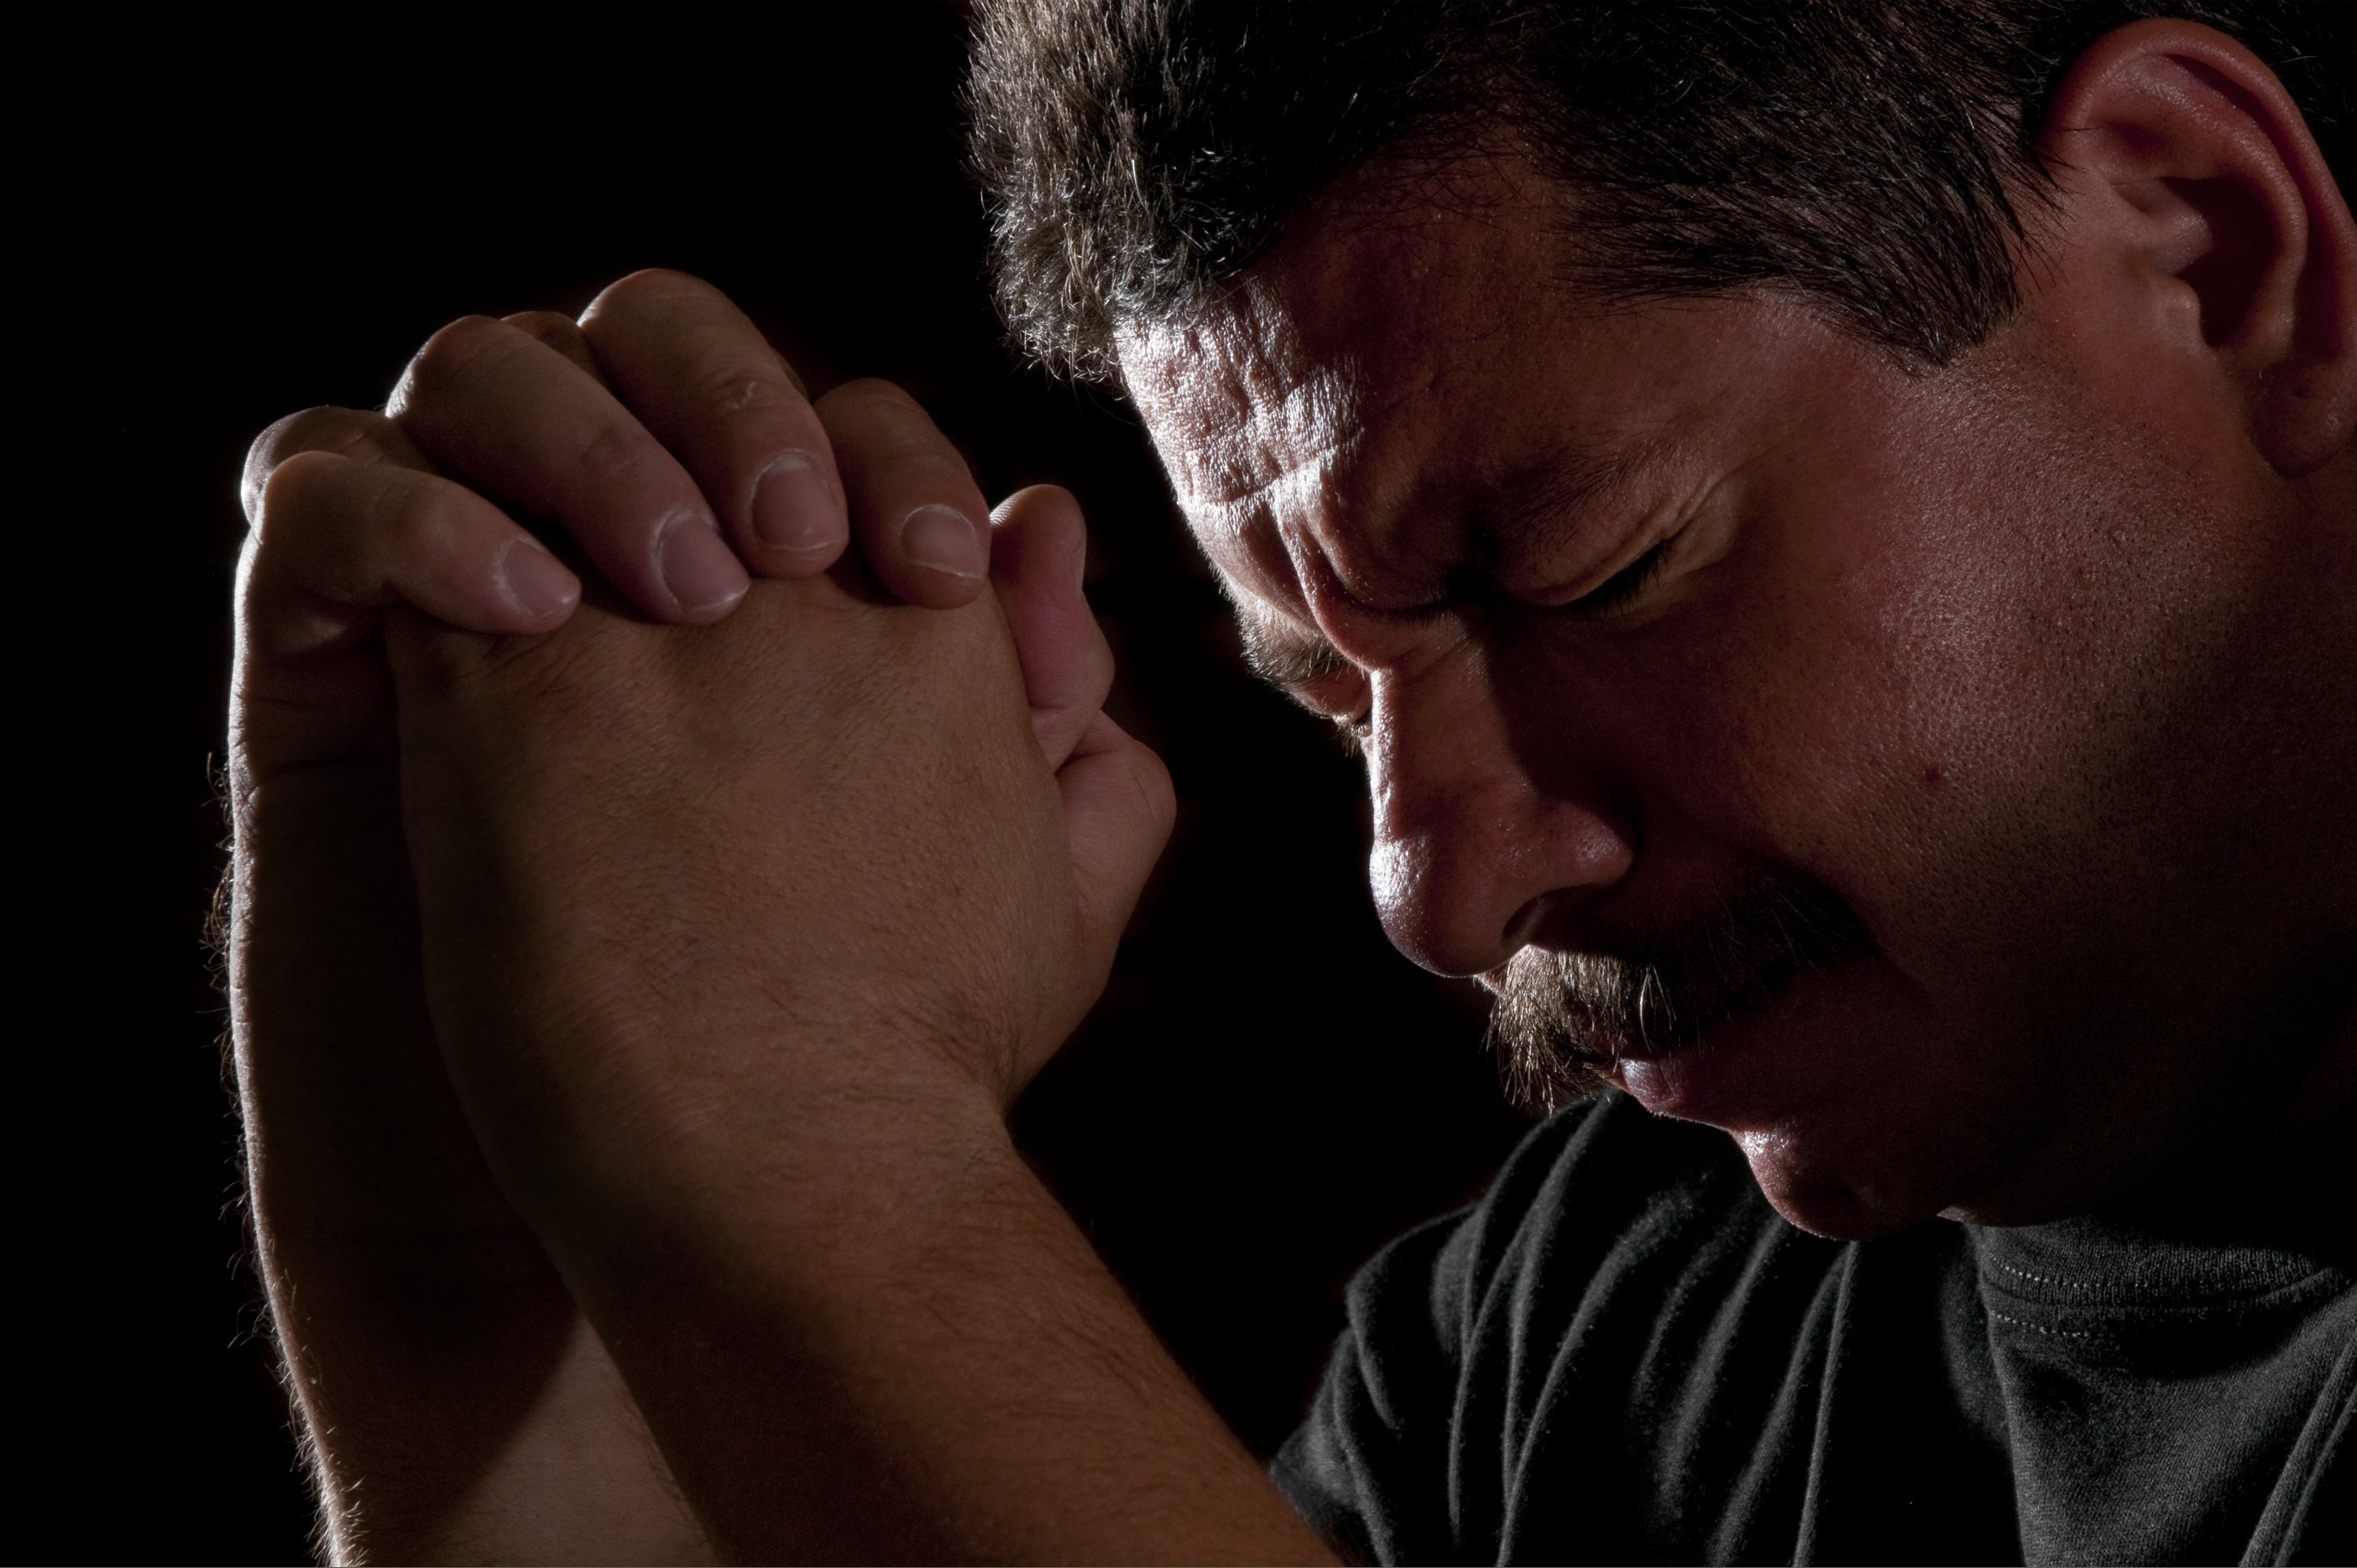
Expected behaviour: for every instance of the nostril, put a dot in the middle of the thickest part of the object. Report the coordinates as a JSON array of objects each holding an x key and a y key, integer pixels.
[
  {"x": 1522, "y": 929},
  {"x": 1462, "y": 895}
]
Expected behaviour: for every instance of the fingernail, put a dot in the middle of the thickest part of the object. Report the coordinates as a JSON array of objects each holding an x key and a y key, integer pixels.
[
  {"x": 943, "y": 538},
  {"x": 536, "y": 581},
  {"x": 794, "y": 509},
  {"x": 698, "y": 567}
]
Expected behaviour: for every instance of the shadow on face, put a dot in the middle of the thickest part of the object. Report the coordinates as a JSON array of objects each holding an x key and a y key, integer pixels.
[{"x": 1892, "y": 746}]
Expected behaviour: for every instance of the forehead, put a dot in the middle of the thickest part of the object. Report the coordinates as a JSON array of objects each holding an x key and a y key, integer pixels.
[{"x": 1391, "y": 358}]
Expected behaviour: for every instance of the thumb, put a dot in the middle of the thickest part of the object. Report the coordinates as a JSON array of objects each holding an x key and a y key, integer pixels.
[
  {"x": 1039, "y": 547},
  {"x": 1118, "y": 810}
]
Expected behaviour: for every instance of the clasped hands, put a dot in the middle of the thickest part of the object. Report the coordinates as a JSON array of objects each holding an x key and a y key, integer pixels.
[{"x": 653, "y": 915}]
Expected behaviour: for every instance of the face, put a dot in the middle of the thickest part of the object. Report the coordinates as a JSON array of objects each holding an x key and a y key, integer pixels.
[{"x": 1889, "y": 769}]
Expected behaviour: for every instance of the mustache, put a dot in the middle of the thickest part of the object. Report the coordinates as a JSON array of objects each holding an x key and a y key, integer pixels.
[{"x": 1561, "y": 1018}]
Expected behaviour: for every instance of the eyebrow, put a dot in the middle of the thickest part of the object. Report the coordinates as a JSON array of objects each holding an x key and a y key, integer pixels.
[
  {"x": 1285, "y": 656},
  {"x": 1538, "y": 497},
  {"x": 1542, "y": 498}
]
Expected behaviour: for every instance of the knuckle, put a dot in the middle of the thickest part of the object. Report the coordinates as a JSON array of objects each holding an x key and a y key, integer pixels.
[
  {"x": 402, "y": 518},
  {"x": 613, "y": 450},
  {"x": 323, "y": 429},
  {"x": 648, "y": 285},
  {"x": 542, "y": 323},
  {"x": 348, "y": 518},
  {"x": 290, "y": 492},
  {"x": 882, "y": 428},
  {"x": 743, "y": 386},
  {"x": 872, "y": 395},
  {"x": 446, "y": 357},
  {"x": 553, "y": 327}
]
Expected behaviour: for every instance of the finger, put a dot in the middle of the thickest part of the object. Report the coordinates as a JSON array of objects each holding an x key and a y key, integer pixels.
[
  {"x": 921, "y": 522},
  {"x": 562, "y": 333},
  {"x": 518, "y": 421},
  {"x": 1118, "y": 810},
  {"x": 356, "y": 532},
  {"x": 339, "y": 537},
  {"x": 350, "y": 432},
  {"x": 1038, "y": 550},
  {"x": 701, "y": 377}
]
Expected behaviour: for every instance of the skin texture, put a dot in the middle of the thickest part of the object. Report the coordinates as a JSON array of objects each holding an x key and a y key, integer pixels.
[
  {"x": 456, "y": 1403},
  {"x": 745, "y": 1068},
  {"x": 2004, "y": 656},
  {"x": 625, "y": 1098}
]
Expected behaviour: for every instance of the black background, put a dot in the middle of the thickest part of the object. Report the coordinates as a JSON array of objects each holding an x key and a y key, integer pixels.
[{"x": 215, "y": 216}]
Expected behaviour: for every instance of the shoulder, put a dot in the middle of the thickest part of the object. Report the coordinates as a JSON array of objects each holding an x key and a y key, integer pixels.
[{"x": 1562, "y": 1322}]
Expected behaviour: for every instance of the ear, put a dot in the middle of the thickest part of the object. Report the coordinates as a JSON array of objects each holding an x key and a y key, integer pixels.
[{"x": 2219, "y": 196}]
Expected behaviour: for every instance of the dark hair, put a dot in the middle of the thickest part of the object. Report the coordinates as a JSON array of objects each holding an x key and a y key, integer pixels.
[{"x": 1874, "y": 155}]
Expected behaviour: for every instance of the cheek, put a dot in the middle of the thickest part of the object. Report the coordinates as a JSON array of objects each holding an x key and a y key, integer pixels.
[
  {"x": 1887, "y": 682},
  {"x": 1957, "y": 686},
  {"x": 1814, "y": 702}
]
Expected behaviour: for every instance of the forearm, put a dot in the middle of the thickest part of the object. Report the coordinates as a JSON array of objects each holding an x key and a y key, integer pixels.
[
  {"x": 461, "y": 1410},
  {"x": 893, "y": 1345},
  {"x": 453, "y": 1403}
]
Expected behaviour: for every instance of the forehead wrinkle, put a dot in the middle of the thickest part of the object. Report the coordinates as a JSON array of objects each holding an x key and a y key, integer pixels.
[
  {"x": 1321, "y": 401},
  {"x": 1256, "y": 434},
  {"x": 1241, "y": 381},
  {"x": 1337, "y": 474}
]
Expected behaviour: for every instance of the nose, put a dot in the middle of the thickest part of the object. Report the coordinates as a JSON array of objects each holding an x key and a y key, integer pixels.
[{"x": 1472, "y": 853}]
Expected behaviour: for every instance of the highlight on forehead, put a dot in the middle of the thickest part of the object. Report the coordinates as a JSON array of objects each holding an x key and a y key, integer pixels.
[
  {"x": 1234, "y": 396},
  {"x": 1398, "y": 265}
]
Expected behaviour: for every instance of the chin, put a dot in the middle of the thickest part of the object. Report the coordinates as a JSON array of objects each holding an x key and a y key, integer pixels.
[
  {"x": 1859, "y": 1114},
  {"x": 1843, "y": 1205}
]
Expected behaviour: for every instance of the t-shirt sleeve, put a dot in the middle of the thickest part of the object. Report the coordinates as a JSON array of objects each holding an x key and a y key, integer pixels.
[{"x": 1373, "y": 1467}]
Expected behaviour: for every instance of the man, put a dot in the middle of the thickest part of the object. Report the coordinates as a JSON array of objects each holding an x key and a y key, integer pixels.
[{"x": 1835, "y": 530}]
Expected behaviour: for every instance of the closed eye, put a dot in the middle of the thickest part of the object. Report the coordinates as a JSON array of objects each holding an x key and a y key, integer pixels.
[{"x": 1624, "y": 587}]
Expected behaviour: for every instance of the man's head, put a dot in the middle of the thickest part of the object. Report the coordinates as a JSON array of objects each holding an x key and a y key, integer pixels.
[{"x": 1836, "y": 525}]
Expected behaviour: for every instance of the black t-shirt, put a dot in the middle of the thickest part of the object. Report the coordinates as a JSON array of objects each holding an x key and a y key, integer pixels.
[{"x": 1623, "y": 1354}]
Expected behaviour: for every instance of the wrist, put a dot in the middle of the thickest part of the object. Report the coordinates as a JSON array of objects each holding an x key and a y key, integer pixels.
[{"x": 855, "y": 1188}]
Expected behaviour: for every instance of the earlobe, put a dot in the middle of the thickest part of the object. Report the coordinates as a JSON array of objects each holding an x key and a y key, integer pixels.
[{"x": 2227, "y": 204}]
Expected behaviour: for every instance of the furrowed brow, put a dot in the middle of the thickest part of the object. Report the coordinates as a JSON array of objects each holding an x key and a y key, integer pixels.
[{"x": 1536, "y": 503}]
